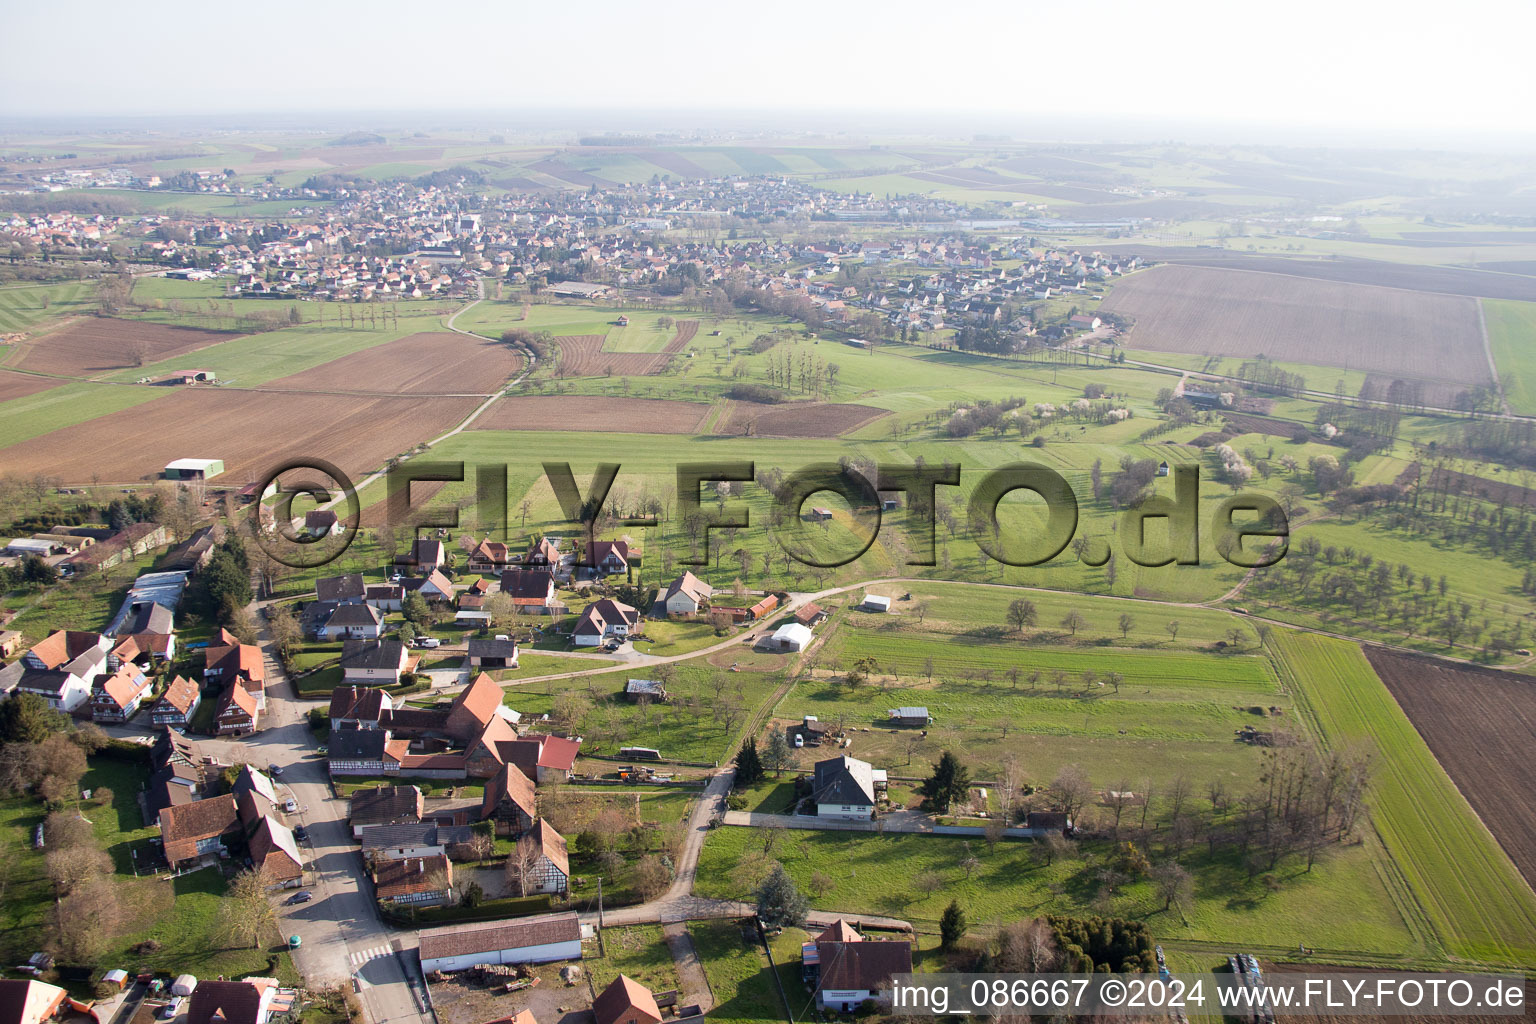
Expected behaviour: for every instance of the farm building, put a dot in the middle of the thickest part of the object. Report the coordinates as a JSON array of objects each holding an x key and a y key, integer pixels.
[
  {"x": 819, "y": 515},
  {"x": 763, "y": 607},
  {"x": 193, "y": 469},
  {"x": 810, "y": 615},
  {"x": 493, "y": 652},
  {"x": 645, "y": 689},
  {"x": 189, "y": 377},
  {"x": 528, "y": 940},
  {"x": 791, "y": 636},
  {"x": 24, "y": 546},
  {"x": 875, "y": 603},
  {"x": 909, "y": 716}
]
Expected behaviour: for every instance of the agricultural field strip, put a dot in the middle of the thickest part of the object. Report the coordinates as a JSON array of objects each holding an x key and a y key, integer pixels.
[
  {"x": 1184, "y": 308},
  {"x": 1474, "y": 895}
]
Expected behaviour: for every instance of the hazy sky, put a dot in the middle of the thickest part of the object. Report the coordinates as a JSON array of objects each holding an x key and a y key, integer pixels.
[{"x": 1391, "y": 65}]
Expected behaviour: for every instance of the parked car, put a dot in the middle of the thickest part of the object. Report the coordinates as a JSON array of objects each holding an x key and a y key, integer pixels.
[
  {"x": 290, "y": 805},
  {"x": 301, "y": 833},
  {"x": 428, "y": 641},
  {"x": 171, "y": 1008},
  {"x": 274, "y": 769},
  {"x": 301, "y": 897}
]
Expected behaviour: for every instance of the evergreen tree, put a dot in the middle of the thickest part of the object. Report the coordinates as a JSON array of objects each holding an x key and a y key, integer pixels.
[
  {"x": 27, "y": 718},
  {"x": 952, "y": 925},
  {"x": 749, "y": 766},
  {"x": 948, "y": 784},
  {"x": 780, "y": 903}
]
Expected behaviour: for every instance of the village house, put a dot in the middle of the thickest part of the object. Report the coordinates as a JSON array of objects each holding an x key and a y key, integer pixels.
[
  {"x": 384, "y": 805},
  {"x": 424, "y": 556},
  {"x": 199, "y": 832},
  {"x": 846, "y": 970},
  {"x": 62, "y": 669},
  {"x": 384, "y": 597},
  {"x": 509, "y": 801},
  {"x": 358, "y": 707},
  {"x": 548, "y": 868},
  {"x": 603, "y": 620},
  {"x": 177, "y": 704},
  {"x": 247, "y": 1001},
  {"x": 544, "y": 554},
  {"x": 348, "y": 588},
  {"x": 275, "y": 853},
  {"x": 29, "y": 1001},
  {"x": 360, "y": 621},
  {"x": 626, "y": 1001},
  {"x": 489, "y": 556},
  {"x": 227, "y": 661},
  {"x": 846, "y": 788},
  {"x": 419, "y": 839},
  {"x": 606, "y": 557},
  {"x": 434, "y": 586},
  {"x": 416, "y": 881},
  {"x": 686, "y": 595},
  {"x": 532, "y": 590},
  {"x": 238, "y": 713},
  {"x": 322, "y": 522},
  {"x": 374, "y": 662},
  {"x": 117, "y": 697},
  {"x": 176, "y": 773}
]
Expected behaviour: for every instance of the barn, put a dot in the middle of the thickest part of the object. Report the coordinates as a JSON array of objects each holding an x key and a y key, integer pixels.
[
  {"x": 193, "y": 469},
  {"x": 529, "y": 940},
  {"x": 791, "y": 637}
]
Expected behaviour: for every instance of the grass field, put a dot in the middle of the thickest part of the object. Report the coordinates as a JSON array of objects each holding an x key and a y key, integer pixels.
[
  {"x": 1175, "y": 713},
  {"x": 638, "y": 951},
  {"x": 181, "y": 915},
  {"x": 1512, "y": 337},
  {"x": 1470, "y": 892},
  {"x": 22, "y": 307},
  {"x": 738, "y": 971},
  {"x": 874, "y": 874}
]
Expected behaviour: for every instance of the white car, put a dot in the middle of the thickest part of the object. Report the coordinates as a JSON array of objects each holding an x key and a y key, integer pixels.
[{"x": 428, "y": 641}]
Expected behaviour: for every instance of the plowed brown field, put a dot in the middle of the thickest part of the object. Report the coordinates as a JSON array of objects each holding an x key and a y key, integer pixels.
[
  {"x": 582, "y": 355},
  {"x": 593, "y": 412},
  {"x": 249, "y": 430},
  {"x": 19, "y": 385},
  {"x": 1478, "y": 722},
  {"x": 1245, "y": 314},
  {"x": 90, "y": 347},
  {"x": 797, "y": 419},
  {"x": 436, "y": 363}
]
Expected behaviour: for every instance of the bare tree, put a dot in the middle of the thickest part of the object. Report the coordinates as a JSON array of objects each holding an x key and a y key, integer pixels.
[
  {"x": 246, "y": 910},
  {"x": 521, "y": 864}
]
